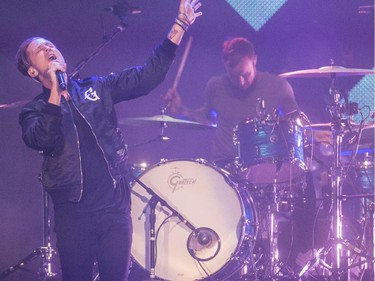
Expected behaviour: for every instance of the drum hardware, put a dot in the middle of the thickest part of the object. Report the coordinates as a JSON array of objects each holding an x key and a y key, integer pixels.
[
  {"x": 46, "y": 251},
  {"x": 155, "y": 199},
  {"x": 341, "y": 252},
  {"x": 279, "y": 204},
  {"x": 261, "y": 109},
  {"x": 270, "y": 154}
]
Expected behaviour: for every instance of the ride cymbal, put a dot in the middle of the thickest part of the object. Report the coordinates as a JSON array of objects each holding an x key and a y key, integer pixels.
[{"x": 327, "y": 72}]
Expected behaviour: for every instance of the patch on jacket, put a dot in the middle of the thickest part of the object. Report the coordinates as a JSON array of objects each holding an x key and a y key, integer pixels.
[{"x": 91, "y": 95}]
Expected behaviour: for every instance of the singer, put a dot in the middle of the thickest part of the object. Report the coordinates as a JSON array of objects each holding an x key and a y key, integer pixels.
[{"x": 84, "y": 152}]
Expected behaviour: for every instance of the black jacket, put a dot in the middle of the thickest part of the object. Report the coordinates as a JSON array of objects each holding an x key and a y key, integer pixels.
[{"x": 51, "y": 129}]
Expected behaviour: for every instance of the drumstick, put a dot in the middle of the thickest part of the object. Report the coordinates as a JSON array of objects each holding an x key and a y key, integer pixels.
[{"x": 182, "y": 64}]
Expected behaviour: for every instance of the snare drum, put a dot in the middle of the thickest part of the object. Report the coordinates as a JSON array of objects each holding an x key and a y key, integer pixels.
[
  {"x": 207, "y": 199},
  {"x": 270, "y": 151}
]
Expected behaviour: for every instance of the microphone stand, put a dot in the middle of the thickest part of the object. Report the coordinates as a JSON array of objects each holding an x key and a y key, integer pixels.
[
  {"x": 154, "y": 200},
  {"x": 106, "y": 40}
]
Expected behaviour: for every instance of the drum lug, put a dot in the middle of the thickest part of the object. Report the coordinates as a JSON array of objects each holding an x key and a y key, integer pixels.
[
  {"x": 202, "y": 161},
  {"x": 248, "y": 222},
  {"x": 273, "y": 138},
  {"x": 256, "y": 126},
  {"x": 292, "y": 153},
  {"x": 291, "y": 126}
]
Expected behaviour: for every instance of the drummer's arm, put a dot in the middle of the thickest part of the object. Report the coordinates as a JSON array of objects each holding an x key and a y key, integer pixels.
[
  {"x": 200, "y": 115},
  {"x": 292, "y": 114},
  {"x": 174, "y": 103}
]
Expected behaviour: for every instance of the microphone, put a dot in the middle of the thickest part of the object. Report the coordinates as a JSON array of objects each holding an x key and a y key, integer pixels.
[
  {"x": 61, "y": 80},
  {"x": 204, "y": 238},
  {"x": 123, "y": 9},
  {"x": 203, "y": 244}
]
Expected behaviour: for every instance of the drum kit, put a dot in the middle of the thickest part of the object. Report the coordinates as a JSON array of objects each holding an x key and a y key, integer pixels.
[
  {"x": 196, "y": 221},
  {"x": 193, "y": 220}
]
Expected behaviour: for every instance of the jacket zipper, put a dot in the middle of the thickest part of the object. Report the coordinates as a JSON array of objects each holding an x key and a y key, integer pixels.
[
  {"x": 96, "y": 139},
  {"x": 79, "y": 151}
]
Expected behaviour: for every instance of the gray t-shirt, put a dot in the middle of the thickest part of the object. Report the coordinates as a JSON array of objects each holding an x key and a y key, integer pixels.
[{"x": 232, "y": 106}]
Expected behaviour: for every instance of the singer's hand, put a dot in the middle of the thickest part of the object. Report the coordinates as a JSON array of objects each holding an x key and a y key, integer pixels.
[
  {"x": 55, "y": 66},
  {"x": 56, "y": 92},
  {"x": 188, "y": 11}
]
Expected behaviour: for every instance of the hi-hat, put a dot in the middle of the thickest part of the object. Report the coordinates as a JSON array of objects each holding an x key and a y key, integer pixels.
[
  {"x": 327, "y": 72},
  {"x": 144, "y": 121}
]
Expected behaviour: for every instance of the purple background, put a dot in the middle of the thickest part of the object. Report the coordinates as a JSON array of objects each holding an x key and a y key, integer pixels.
[{"x": 304, "y": 34}]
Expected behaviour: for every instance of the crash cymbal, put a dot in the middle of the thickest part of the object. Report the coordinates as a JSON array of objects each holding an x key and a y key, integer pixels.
[
  {"x": 327, "y": 72},
  {"x": 144, "y": 121},
  {"x": 14, "y": 104}
]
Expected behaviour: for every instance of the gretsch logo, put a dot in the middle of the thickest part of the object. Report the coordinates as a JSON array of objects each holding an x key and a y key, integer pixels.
[{"x": 176, "y": 180}]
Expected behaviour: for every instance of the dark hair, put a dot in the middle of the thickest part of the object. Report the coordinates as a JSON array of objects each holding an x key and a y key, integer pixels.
[
  {"x": 235, "y": 49},
  {"x": 22, "y": 58}
]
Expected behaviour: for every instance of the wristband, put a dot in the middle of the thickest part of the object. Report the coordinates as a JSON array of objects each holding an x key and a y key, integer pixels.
[{"x": 182, "y": 24}]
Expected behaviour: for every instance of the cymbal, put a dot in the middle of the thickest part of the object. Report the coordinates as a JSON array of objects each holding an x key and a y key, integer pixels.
[
  {"x": 327, "y": 72},
  {"x": 142, "y": 121},
  {"x": 327, "y": 126},
  {"x": 14, "y": 104}
]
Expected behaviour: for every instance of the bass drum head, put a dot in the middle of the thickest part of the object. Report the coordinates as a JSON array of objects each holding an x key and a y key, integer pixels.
[{"x": 203, "y": 196}]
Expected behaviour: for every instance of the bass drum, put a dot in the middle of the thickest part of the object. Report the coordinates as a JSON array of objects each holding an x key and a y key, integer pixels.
[{"x": 206, "y": 197}]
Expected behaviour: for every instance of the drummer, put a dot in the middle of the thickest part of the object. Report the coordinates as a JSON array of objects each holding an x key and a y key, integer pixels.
[{"x": 232, "y": 98}]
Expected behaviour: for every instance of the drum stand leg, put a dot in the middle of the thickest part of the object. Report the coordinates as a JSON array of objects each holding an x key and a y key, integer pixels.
[
  {"x": 367, "y": 240},
  {"x": 278, "y": 269},
  {"x": 273, "y": 220},
  {"x": 45, "y": 252}
]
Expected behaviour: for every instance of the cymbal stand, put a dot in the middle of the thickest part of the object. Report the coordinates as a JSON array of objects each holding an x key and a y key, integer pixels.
[
  {"x": 273, "y": 210},
  {"x": 161, "y": 137},
  {"x": 339, "y": 248},
  {"x": 336, "y": 178},
  {"x": 45, "y": 252}
]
